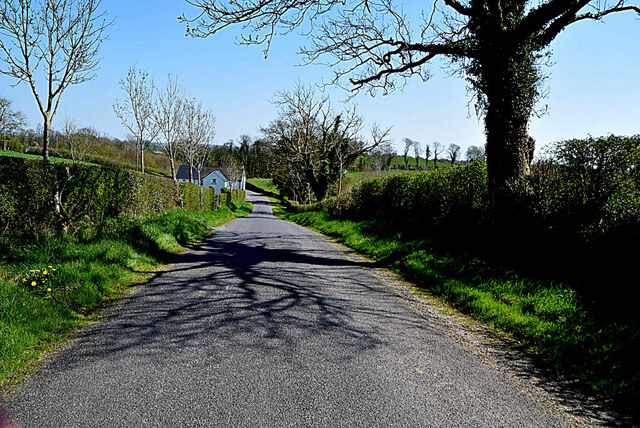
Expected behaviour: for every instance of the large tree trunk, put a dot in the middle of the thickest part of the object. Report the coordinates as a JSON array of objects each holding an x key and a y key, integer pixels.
[
  {"x": 510, "y": 97},
  {"x": 319, "y": 185},
  {"x": 45, "y": 138},
  {"x": 509, "y": 155}
]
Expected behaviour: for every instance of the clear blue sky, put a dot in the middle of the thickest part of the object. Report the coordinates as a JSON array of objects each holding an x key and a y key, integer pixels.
[{"x": 594, "y": 83}]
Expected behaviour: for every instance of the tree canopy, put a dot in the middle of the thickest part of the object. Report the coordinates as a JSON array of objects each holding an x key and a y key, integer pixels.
[
  {"x": 313, "y": 143},
  {"x": 497, "y": 45}
]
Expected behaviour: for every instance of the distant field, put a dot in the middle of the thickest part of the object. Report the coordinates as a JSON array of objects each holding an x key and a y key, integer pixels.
[
  {"x": 265, "y": 184},
  {"x": 98, "y": 161},
  {"x": 398, "y": 162},
  {"x": 28, "y": 156}
]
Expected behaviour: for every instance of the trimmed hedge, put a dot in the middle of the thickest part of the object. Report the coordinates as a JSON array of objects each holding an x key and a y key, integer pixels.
[
  {"x": 429, "y": 198},
  {"x": 36, "y": 198},
  {"x": 585, "y": 191}
]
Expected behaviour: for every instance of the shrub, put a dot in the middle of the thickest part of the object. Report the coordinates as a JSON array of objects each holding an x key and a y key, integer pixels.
[
  {"x": 38, "y": 198},
  {"x": 425, "y": 199},
  {"x": 576, "y": 216},
  {"x": 591, "y": 186}
]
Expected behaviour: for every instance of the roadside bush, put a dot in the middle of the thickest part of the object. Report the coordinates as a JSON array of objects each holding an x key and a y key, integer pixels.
[
  {"x": 38, "y": 199},
  {"x": 576, "y": 216},
  {"x": 425, "y": 199},
  {"x": 585, "y": 202},
  {"x": 590, "y": 186},
  {"x": 238, "y": 195},
  {"x": 585, "y": 190}
]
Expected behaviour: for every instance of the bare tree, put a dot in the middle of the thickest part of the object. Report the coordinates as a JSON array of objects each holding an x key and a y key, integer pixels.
[
  {"x": 57, "y": 39},
  {"x": 453, "y": 151},
  {"x": 437, "y": 149},
  {"x": 313, "y": 141},
  {"x": 201, "y": 159},
  {"x": 416, "y": 152},
  {"x": 498, "y": 46},
  {"x": 233, "y": 170},
  {"x": 168, "y": 119},
  {"x": 408, "y": 143},
  {"x": 80, "y": 142},
  {"x": 475, "y": 153},
  {"x": 382, "y": 155},
  {"x": 199, "y": 129},
  {"x": 347, "y": 145},
  {"x": 136, "y": 111},
  {"x": 10, "y": 120}
]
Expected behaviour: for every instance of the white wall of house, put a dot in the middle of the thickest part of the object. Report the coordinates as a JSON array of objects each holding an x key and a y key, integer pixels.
[
  {"x": 215, "y": 180},
  {"x": 218, "y": 181}
]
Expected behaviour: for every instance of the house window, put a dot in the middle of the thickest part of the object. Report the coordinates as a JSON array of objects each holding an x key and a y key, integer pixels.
[{"x": 214, "y": 181}]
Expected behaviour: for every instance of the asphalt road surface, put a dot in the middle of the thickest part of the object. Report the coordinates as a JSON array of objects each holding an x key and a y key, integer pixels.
[{"x": 267, "y": 324}]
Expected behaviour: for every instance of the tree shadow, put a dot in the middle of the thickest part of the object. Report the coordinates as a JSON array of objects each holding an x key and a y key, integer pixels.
[{"x": 242, "y": 289}]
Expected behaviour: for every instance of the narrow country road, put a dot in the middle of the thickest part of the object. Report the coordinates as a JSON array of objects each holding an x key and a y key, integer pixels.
[{"x": 267, "y": 324}]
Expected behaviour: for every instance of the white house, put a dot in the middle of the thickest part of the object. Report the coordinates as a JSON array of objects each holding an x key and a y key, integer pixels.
[{"x": 215, "y": 178}]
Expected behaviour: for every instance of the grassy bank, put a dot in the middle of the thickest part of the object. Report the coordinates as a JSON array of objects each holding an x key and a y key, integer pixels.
[
  {"x": 547, "y": 317},
  {"x": 264, "y": 184},
  {"x": 38, "y": 157},
  {"x": 49, "y": 288}
]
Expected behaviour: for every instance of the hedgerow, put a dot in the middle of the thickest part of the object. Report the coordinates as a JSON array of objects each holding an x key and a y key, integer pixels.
[
  {"x": 576, "y": 216},
  {"x": 38, "y": 198}
]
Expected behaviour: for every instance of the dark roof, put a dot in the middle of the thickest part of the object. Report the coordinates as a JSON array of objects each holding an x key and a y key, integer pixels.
[
  {"x": 183, "y": 172},
  {"x": 224, "y": 172}
]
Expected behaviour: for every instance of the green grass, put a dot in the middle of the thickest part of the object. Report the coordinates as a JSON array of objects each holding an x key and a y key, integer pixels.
[
  {"x": 77, "y": 277},
  {"x": 39, "y": 157},
  {"x": 98, "y": 160},
  {"x": 266, "y": 184},
  {"x": 547, "y": 318}
]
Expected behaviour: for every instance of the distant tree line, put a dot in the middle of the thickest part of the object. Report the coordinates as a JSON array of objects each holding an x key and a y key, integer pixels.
[{"x": 452, "y": 152}]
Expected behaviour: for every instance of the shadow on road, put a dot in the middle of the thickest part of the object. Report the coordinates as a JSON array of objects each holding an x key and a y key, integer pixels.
[{"x": 264, "y": 292}]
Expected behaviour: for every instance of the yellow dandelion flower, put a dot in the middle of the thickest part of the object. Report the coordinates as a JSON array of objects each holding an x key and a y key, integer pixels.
[
  {"x": 24, "y": 279},
  {"x": 48, "y": 289},
  {"x": 33, "y": 283},
  {"x": 44, "y": 272},
  {"x": 50, "y": 267},
  {"x": 53, "y": 270}
]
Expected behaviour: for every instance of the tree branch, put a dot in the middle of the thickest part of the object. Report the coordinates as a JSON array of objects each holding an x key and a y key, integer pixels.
[{"x": 460, "y": 8}]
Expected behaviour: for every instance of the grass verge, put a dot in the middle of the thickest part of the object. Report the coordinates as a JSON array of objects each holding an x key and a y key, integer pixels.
[
  {"x": 548, "y": 318},
  {"x": 49, "y": 289}
]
